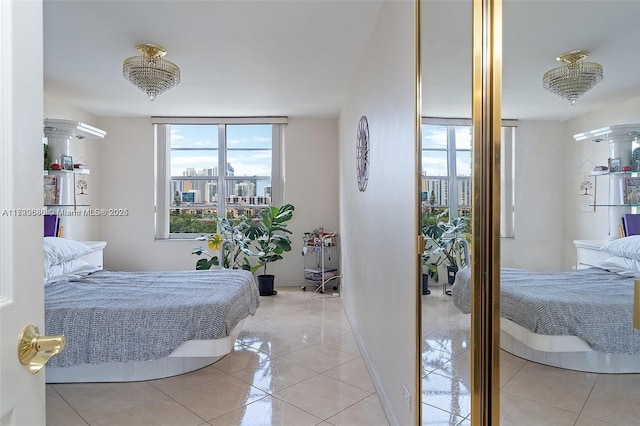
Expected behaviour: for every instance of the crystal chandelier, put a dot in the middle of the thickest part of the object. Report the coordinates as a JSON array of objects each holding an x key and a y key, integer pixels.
[
  {"x": 149, "y": 72},
  {"x": 574, "y": 78}
]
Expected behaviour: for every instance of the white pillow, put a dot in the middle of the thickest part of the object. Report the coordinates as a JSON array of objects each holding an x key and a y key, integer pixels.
[
  {"x": 58, "y": 250},
  {"x": 74, "y": 267},
  {"x": 621, "y": 265},
  {"x": 626, "y": 247}
]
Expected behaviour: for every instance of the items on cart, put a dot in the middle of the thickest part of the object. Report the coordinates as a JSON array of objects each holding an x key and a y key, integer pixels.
[{"x": 320, "y": 254}]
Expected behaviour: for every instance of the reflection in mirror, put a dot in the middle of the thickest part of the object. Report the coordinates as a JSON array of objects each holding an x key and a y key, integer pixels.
[
  {"x": 445, "y": 195},
  {"x": 540, "y": 166}
]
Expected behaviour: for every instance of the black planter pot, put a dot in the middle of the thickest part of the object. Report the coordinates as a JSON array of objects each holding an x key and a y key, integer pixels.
[
  {"x": 451, "y": 277},
  {"x": 451, "y": 274},
  {"x": 425, "y": 284},
  {"x": 265, "y": 285}
]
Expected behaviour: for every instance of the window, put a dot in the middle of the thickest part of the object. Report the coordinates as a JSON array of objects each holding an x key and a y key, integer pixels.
[
  {"x": 209, "y": 168},
  {"x": 446, "y": 172}
]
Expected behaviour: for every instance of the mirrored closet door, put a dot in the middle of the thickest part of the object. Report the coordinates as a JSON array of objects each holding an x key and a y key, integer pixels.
[
  {"x": 539, "y": 215},
  {"x": 445, "y": 198}
]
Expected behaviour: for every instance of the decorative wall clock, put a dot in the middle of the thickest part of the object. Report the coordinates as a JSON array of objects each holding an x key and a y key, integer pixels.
[{"x": 362, "y": 153}]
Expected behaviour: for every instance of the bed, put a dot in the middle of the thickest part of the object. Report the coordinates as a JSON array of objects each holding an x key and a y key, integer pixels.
[
  {"x": 579, "y": 320},
  {"x": 128, "y": 326}
]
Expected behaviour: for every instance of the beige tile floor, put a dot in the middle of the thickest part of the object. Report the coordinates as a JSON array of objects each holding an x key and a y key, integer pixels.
[
  {"x": 297, "y": 363},
  {"x": 530, "y": 393}
]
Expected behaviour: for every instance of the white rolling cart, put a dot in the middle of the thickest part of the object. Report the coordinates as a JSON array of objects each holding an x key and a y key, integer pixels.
[{"x": 320, "y": 253}]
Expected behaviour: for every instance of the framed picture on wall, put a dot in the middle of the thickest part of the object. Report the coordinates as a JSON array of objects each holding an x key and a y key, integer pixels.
[
  {"x": 82, "y": 186},
  {"x": 615, "y": 165},
  {"x": 66, "y": 162},
  {"x": 586, "y": 192}
]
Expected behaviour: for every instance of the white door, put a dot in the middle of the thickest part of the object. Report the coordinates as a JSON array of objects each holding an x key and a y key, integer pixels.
[{"x": 22, "y": 394}]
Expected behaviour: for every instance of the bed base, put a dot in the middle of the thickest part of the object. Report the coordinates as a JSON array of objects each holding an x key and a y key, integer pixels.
[
  {"x": 191, "y": 355},
  {"x": 568, "y": 352}
]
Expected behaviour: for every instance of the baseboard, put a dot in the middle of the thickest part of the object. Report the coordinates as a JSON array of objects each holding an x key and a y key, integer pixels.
[{"x": 384, "y": 400}]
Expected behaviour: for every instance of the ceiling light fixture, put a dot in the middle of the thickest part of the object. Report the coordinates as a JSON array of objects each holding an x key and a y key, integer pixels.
[
  {"x": 574, "y": 78},
  {"x": 149, "y": 72}
]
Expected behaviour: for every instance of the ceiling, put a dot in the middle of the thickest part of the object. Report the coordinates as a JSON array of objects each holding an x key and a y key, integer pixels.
[
  {"x": 299, "y": 57},
  {"x": 237, "y": 58},
  {"x": 534, "y": 33}
]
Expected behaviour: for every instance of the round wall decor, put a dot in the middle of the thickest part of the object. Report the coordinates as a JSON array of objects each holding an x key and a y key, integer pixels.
[{"x": 362, "y": 153}]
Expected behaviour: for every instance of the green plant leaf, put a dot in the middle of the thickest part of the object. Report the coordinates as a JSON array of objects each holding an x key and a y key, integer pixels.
[
  {"x": 203, "y": 264},
  {"x": 265, "y": 238}
]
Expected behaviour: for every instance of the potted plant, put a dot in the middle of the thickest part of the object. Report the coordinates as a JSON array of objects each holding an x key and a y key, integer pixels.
[
  {"x": 265, "y": 237},
  {"x": 232, "y": 239},
  {"x": 444, "y": 244},
  {"x": 270, "y": 237}
]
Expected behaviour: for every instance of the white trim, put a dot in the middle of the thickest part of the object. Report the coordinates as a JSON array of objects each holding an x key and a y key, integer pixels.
[
  {"x": 6, "y": 152},
  {"x": 72, "y": 128},
  {"x": 162, "y": 196},
  {"x": 507, "y": 207},
  {"x": 461, "y": 122},
  {"x": 568, "y": 352},
  {"x": 385, "y": 399},
  {"x": 277, "y": 165},
  {"x": 219, "y": 120},
  {"x": 452, "y": 172},
  {"x": 222, "y": 171}
]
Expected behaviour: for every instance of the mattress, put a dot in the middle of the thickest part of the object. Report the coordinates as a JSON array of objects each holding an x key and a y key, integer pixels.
[
  {"x": 140, "y": 316},
  {"x": 593, "y": 304}
]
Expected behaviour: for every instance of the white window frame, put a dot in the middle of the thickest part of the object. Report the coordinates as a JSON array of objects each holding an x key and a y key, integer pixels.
[
  {"x": 162, "y": 173},
  {"x": 507, "y": 177}
]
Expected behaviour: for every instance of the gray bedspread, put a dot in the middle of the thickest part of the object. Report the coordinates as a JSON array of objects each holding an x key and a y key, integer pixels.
[
  {"x": 593, "y": 304},
  {"x": 140, "y": 316}
]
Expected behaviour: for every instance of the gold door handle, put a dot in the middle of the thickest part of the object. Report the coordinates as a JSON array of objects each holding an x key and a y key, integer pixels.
[{"x": 35, "y": 350}]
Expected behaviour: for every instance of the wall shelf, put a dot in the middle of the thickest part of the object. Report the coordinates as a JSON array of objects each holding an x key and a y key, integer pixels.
[
  {"x": 623, "y": 140},
  {"x": 67, "y": 189}
]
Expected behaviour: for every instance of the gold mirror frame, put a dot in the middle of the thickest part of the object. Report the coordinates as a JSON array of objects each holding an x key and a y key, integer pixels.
[
  {"x": 485, "y": 262},
  {"x": 420, "y": 240}
]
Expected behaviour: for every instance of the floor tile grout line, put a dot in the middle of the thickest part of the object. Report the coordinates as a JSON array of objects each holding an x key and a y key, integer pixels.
[
  {"x": 188, "y": 409},
  {"x": 595, "y": 382},
  {"x": 351, "y": 405},
  {"x": 299, "y": 408},
  {"x": 69, "y": 404},
  {"x": 446, "y": 411},
  {"x": 502, "y": 391}
]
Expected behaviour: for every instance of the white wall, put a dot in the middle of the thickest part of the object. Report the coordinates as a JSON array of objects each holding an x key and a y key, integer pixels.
[
  {"x": 59, "y": 109},
  {"x": 378, "y": 226},
  {"x": 539, "y": 198},
  {"x": 547, "y": 218},
  {"x": 311, "y": 173},
  {"x": 127, "y": 181}
]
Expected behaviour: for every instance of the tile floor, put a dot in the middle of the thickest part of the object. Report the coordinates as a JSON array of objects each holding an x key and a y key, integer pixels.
[
  {"x": 531, "y": 393},
  {"x": 297, "y": 363}
]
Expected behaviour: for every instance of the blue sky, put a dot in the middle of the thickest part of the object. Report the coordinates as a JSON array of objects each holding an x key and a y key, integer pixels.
[
  {"x": 434, "y": 163},
  {"x": 245, "y": 163}
]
